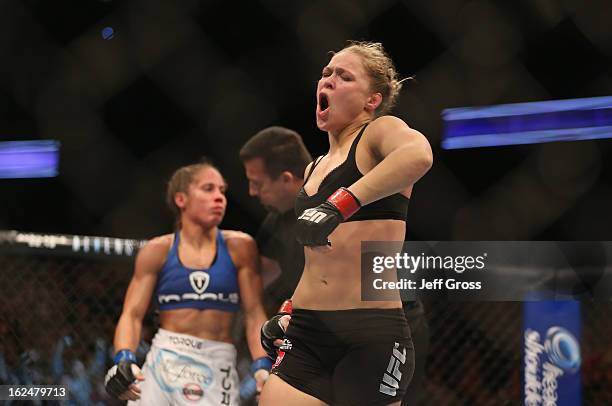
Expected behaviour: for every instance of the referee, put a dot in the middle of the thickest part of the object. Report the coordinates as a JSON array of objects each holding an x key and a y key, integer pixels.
[{"x": 274, "y": 160}]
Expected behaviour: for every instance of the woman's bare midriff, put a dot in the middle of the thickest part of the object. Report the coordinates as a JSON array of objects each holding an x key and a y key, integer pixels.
[
  {"x": 208, "y": 324},
  {"x": 332, "y": 278}
]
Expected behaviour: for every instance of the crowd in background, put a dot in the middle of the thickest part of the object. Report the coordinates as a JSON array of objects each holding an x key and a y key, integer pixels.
[{"x": 69, "y": 343}]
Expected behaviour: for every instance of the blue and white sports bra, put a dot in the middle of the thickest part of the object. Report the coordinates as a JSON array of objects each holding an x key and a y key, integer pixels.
[{"x": 179, "y": 287}]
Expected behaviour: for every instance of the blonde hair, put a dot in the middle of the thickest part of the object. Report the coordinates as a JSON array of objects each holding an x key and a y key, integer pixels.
[{"x": 381, "y": 70}]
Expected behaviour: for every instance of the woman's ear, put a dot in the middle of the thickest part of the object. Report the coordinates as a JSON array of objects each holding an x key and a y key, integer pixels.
[
  {"x": 179, "y": 199},
  {"x": 373, "y": 102}
]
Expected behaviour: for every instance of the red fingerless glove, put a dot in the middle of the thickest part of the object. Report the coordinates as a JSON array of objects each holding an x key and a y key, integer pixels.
[
  {"x": 286, "y": 307},
  {"x": 346, "y": 202}
]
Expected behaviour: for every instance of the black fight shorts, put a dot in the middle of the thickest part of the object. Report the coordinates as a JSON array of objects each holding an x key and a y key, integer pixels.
[{"x": 348, "y": 357}]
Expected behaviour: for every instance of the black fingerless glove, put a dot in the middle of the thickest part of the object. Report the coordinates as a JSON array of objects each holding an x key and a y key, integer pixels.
[
  {"x": 272, "y": 330},
  {"x": 120, "y": 376},
  {"x": 316, "y": 224}
]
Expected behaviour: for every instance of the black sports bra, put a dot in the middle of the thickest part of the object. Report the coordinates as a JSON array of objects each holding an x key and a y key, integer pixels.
[{"x": 394, "y": 207}]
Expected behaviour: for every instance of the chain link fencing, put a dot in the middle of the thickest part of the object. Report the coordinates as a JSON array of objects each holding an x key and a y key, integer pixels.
[{"x": 59, "y": 309}]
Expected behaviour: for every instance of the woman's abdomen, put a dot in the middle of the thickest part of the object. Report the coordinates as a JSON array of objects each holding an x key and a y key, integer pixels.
[{"x": 332, "y": 277}]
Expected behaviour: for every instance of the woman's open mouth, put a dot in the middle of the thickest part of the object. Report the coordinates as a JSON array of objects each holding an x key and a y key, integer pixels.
[
  {"x": 323, "y": 102},
  {"x": 323, "y": 106}
]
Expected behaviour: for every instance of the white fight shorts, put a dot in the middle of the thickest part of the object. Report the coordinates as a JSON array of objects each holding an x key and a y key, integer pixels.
[{"x": 184, "y": 370}]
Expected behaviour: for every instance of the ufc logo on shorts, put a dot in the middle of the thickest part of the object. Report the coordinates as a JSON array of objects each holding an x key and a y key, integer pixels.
[
  {"x": 312, "y": 215},
  {"x": 391, "y": 378}
]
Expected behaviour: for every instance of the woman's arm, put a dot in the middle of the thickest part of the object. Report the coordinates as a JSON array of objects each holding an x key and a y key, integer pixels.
[
  {"x": 149, "y": 261},
  {"x": 404, "y": 156},
  {"x": 119, "y": 380},
  {"x": 246, "y": 258}
]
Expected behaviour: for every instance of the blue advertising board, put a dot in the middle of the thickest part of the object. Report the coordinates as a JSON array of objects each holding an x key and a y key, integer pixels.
[{"x": 551, "y": 353}]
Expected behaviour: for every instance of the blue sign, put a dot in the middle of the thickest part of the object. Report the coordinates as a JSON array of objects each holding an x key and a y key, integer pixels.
[{"x": 551, "y": 354}]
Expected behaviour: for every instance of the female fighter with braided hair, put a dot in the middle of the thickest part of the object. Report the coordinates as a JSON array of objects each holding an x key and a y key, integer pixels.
[
  {"x": 338, "y": 349},
  {"x": 200, "y": 276}
]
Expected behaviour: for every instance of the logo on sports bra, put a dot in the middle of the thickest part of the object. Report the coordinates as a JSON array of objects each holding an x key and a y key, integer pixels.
[{"x": 199, "y": 281}]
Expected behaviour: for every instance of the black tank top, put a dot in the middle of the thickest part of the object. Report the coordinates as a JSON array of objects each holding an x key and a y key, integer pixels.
[{"x": 394, "y": 207}]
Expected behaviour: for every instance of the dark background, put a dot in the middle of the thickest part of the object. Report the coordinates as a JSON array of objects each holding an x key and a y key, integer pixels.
[{"x": 182, "y": 79}]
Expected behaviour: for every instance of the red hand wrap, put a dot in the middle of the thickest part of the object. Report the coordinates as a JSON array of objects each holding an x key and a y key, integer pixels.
[
  {"x": 345, "y": 201},
  {"x": 286, "y": 307}
]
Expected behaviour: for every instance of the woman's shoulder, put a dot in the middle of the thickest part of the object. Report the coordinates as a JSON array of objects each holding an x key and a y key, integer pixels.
[
  {"x": 240, "y": 245},
  {"x": 237, "y": 238},
  {"x": 386, "y": 128},
  {"x": 235, "y": 234},
  {"x": 162, "y": 241},
  {"x": 158, "y": 246},
  {"x": 386, "y": 123},
  {"x": 153, "y": 254}
]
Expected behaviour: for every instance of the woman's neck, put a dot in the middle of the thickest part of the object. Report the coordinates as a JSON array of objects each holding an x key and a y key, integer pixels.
[
  {"x": 338, "y": 139},
  {"x": 196, "y": 235}
]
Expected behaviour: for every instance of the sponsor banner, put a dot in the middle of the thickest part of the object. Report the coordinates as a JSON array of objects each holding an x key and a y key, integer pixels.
[
  {"x": 551, "y": 354},
  {"x": 486, "y": 270}
]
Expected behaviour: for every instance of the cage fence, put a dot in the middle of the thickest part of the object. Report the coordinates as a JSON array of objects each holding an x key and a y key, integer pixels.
[{"x": 60, "y": 303}]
